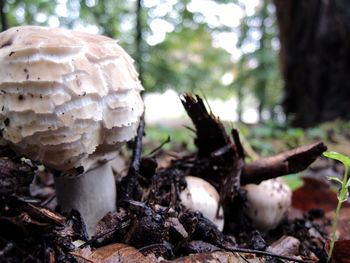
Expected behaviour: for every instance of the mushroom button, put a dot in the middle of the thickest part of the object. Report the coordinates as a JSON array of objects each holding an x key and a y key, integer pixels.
[
  {"x": 267, "y": 203},
  {"x": 72, "y": 134},
  {"x": 202, "y": 196}
]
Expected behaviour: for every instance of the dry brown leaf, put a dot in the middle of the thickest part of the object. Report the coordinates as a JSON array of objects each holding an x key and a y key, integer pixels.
[
  {"x": 314, "y": 193},
  {"x": 109, "y": 254},
  {"x": 343, "y": 226},
  {"x": 217, "y": 257},
  {"x": 341, "y": 252},
  {"x": 286, "y": 246}
]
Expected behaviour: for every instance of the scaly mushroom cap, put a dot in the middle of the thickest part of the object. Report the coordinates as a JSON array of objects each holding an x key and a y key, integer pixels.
[
  {"x": 268, "y": 203},
  {"x": 68, "y": 99}
]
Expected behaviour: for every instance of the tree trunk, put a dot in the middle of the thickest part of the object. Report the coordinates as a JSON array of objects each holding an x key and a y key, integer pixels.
[
  {"x": 261, "y": 85},
  {"x": 315, "y": 59},
  {"x": 4, "y": 25},
  {"x": 239, "y": 104},
  {"x": 139, "y": 39}
]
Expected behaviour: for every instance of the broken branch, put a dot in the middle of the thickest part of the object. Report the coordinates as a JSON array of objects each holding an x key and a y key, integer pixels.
[
  {"x": 288, "y": 162},
  {"x": 129, "y": 184}
]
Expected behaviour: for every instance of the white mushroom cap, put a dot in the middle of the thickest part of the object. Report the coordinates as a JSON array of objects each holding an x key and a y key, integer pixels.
[
  {"x": 67, "y": 99},
  {"x": 268, "y": 203},
  {"x": 202, "y": 196}
]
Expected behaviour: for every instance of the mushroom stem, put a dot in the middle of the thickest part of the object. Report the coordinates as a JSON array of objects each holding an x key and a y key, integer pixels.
[{"x": 92, "y": 194}]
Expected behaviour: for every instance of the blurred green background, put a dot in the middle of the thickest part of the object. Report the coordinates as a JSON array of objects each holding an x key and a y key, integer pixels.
[{"x": 225, "y": 49}]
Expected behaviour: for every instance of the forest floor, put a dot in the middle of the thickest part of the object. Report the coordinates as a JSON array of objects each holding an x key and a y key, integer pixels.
[{"x": 153, "y": 226}]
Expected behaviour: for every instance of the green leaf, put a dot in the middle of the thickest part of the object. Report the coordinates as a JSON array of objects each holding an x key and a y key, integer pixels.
[
  {"x": 337, "y": 156},
  {"x": 334, "y": 179},
  {"x": 348, "y": 184}
]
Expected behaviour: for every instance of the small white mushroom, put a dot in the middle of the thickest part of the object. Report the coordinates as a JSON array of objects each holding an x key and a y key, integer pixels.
[
  {"x": 268, "y": 203},
  {"x": 69, "y": 100},
  {"x": 202, "y": 196}
]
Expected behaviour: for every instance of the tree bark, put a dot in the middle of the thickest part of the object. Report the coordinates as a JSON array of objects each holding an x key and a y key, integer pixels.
[
  {"x": 4, "y": 24},
  {"x": 315, "y": 59},
  {"x": 288, "y": 162},
  {"x": 139, "y": 39}
]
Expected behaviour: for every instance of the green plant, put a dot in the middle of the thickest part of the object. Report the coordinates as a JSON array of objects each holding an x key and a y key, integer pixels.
[{"x": 342, "y": 193}]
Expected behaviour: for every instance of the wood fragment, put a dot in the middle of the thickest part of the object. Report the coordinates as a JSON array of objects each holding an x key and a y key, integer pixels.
[
  {"x": 213, "y": 141},
  {"x": 265, "y": 253},
  {"x": 45, "y": 215},
  {"x": 129, "y": 186},
  {"x": 220, "y": 160},
  {"x": 288, "y": 162},
  {"x": 286, "y": 246},
  {"x": 211, "y": 134},
  {"x": 137, "y": 151}
]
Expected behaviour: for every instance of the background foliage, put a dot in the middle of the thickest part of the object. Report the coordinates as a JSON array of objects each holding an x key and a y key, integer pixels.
[{"x": 187, "y": 58}]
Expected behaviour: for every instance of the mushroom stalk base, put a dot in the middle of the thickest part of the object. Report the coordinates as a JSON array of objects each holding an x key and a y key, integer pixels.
[{"x": 93, "y": 194}]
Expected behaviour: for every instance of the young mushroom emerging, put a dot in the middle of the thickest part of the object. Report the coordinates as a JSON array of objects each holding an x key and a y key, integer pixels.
[
  {"x": 202, "y": 196},
  {"x": 268, "y": 203},
  {"x": 69, "y": 100}
]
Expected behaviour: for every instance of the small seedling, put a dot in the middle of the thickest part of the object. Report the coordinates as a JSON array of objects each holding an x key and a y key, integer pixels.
[{"x": 343, "y": 192}]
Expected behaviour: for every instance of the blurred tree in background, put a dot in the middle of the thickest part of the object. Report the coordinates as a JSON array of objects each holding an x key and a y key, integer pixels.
[
  {"x": 258, "y": 71},
  {"x": 3, "y": 16},
  {"x": 17, "y": 12},
  {"x": 188, "y": 55},
  {"x": 186, "y": 60},
  {"x": 315, "y": 59}
]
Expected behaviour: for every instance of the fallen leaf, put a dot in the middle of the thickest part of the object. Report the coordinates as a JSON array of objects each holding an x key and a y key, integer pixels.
[
  {"x": 109, "y": 254},
  {"x": 343, "y": 226},
  {"x": 217, "y": 256},
  {"x": 341, "y": 252},
  {"x": 286, "y": 246},
  {"x": 315, "y": 193}
]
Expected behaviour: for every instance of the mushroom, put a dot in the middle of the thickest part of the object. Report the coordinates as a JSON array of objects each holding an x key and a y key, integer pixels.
[
  {"x": 267, "y": 203},
  {"x": 202, "y": 196},
  {"x": 69, "y": 100}
]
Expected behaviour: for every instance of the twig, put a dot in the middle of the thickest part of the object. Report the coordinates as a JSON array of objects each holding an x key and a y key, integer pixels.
[
  {"x": 190, "y": 129},
  {"x": 47, "y": 201},
  {"x": 93, "y": 239},
  {"x": 288, "y": 162},
  {"x": 152, "y": 246},
  {"x": 137, "y": 151},
  {"x": 240, "y": 250},
  {"x": 129, "y": 183},
  {"x": 159, "y": 147},
  {"x": 263, "y": 253},
  {"x": 237, "y": 141},
  {"x": 243, "y": 258}
]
